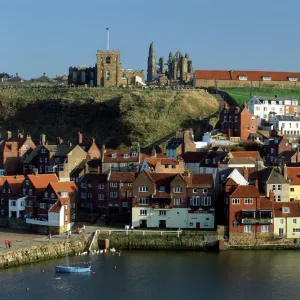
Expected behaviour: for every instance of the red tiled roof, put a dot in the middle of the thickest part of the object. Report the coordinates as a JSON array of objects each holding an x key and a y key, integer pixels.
[
  {"x": 244, "y": 191},
  {"x": 69, "y": 187},
  {"x": 245, "y": 154},
  {"x": 205, "y": 179},
  {"x": 42, "y": 180},
  {"x": 15, "y": 183},
  {"x": 56, "y": 207},
  {"x": 107, "y": 158},
  {"x": 293, "y": 206},
  {"x": 123, "y": 176},
  {"x": 265, "y": 203},
  {"x": 212, "y": 74},
  {"x": 293, "y": 175},
  {"x": 193, "y": 157},
  {"x": 4, "y": 178},
  {"x": 258, "y": 75}
]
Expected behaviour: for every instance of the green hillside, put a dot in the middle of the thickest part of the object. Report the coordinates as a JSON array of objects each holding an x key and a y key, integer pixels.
[
  {"x": 242, "y": 95},
  {"x": 116, "y": 117}
]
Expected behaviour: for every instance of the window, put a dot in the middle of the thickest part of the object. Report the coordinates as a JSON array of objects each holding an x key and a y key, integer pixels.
[
  {"x": 178, "y": 189},
  {"x": 296, "y": 230},
  {"x": 281, "y": 221},
  {"x": 265, "y": 228},
  {"x": 143, "y": 212},
  {"x": 206, "y": 201},
  {"x": 73, "y": 216},
  {"x": 162, "y": 188},
  {"x": 278, "y": 198},
  {"x": 114, "y": 155},
  {"x": 13, "y": 203},
  {"x": 41, "y": 159},
  {"x": 107, "y": 75},
  {"x": 143, "y": 201},
  {"x": 22, "y": 203},
  {"x": 113, "y": 184},
  {"x": 28, "y": 203},
  {"x": 83, "y": 195},
  {"x": 74, "y": 205},
  {"x": 27, "y": 182},
  {"x": 126, "y": 155},
  {"x": 195, "y": 201},
  {"x": 286, "y": 210},
  {"x": 113, "y": 194},
  {"x": 195, "y": 191},
  {"x": 82, "y": 204},
  {"x": 293, "y": 78},
  {"x": 8, "y": 191},
  {"x": 2, "y": 201},
  {"x": 129, "y": 184},
  {"x": 101, "y": 186},
  {"x": 66, "y": 207},
  {"x": 274, "y": 187},
  {"x": 294, "y": 221},
  {"x": 162, "y": 213},
  {"x": 247, "y": 228},
  {"x": 292, "y": 189},
  {"x": 43, "y": 151},
  {"x": 108, "y": 59},
  {"x": 57, "y": 159},
  {"x": 178, "y": 201},
  {"x": 61, "y": 167},
  {"x": 143, "y": 188},
  {"x": 205, "y": 191},
  {"x": 83, "y": 185},
  {"x": 235, "y": 201},
  {"x": 243, "y": 77},
  {"x": 279, "y": 187},
  {"x": 3, "y": 191},
  {"x": 42, "y": 205},
  {"x": 266, "y": 78},
  {"x": 66, "y": 218},
  {"x": 2, "y": 212},
  {"x": 100, "y": 196},
  {"x": 30, "y": 192},
  {"x": 248, "y": 201},
  {"x": 124, "y": 204},
  {"x": 52, "y": 195},
  {"x": 134, "y": 154}
]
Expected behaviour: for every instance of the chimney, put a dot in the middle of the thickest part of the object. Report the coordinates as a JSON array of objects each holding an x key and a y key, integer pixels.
[
  {"x": 93, "y": 140},
  {"x": 103, "y": 150},
  {"x": 256, "y": 182},
  {"x": 281, "y": 131},
  {"x": 28, "y": 137},
  {"x": 43, "y": 139},
  {"x": 35, "y": 172},
  {"x": 59, "y": 140},
  {"x": 138, "y": 148},
  {"x": 271, "y": 196},
  {"x": 178, "y": 134},
  {"x": 153, "y": 153},
  {"x": 246, "y": 173},
  {"x": 44, "y": 74},
  {"x": 98, "y": 170},
  {"x": 219, "y": 164},
  {"x": 9, "y": 135},
  {"x": 285, "y": 172},
  {"x": 20, "y": 135},
  {"x": 246, "y": 105},
  {"x": 79, "y": 137},
  {"x": 86, "y": 169},
  {"x": 70, "y": 144}
]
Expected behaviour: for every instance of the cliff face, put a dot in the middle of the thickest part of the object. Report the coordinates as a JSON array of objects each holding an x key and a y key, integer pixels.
[{"x": 115, "y": 117}]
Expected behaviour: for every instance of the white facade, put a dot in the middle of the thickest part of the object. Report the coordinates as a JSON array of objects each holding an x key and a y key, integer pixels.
[
  {"x": 262, "y": 108},
  {"x": 174, "y": 218},
  {"x": 56, "y": 219},
  {"x": 193, "y": 167},
  {"x": 289, "y": 124},
  {"x": 16, "y": 205}
]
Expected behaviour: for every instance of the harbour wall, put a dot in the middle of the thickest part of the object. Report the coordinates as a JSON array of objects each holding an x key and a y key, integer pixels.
[
  {"x": 47, "y": 250},
  {"x": 187, "y": 240}
]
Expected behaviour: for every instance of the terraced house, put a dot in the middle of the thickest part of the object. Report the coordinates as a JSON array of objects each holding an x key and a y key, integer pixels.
[{"x": 165, "y": 200}]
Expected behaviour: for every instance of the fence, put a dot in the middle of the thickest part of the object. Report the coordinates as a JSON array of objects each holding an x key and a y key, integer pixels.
[{"x": 136, "y": 231}]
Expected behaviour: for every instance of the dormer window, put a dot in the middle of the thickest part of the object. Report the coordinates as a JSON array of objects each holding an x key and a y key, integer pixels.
[
  {"x": 286, "y": 210},
  {"x": 43, "y": 151},
  {"x": 63, "y": 194},
  {"x": 293, "y": 79},
  {"x": 52, "y": 195},
  {"x": 162, "y": 188},
  {"x": 266, "y": 78},
  {"x": 134, "y": 154},
  {"x": 46, "y": 195},
  {"x": 207, "y": 161},
  {"x": 243, "y": 77},
  {"x": 114, "y": 155},
  {"x": 126, "y": 155}
]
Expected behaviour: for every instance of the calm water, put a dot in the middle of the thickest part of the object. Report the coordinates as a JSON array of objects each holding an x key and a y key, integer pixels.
[{"x": 162, "y": 275}]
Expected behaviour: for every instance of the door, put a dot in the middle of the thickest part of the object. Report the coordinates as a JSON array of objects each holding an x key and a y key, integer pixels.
[
  {"x": 198, "y": 225},
  {"x": 143, "y": 224},
  {"x": 162, "y": 223},
  {"x": 280, "y": 232}
]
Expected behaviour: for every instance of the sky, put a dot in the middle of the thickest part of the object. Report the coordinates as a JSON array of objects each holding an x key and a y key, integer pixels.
[{"x": 50, "y": 36}]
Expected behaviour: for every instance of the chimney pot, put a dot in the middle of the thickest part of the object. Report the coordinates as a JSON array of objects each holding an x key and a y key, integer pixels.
[{"x": 9, "y": 135}]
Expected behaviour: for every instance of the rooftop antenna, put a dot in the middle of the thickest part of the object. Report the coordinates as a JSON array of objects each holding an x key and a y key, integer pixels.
[{"x": 107, "y": 37}]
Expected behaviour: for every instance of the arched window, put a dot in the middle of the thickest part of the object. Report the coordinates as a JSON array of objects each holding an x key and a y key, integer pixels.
[
  {"x": 107, "y": 75},
  {"x": 107, "y": 59}
]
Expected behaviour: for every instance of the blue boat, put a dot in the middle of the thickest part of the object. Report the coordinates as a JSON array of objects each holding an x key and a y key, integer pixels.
[{"x": 70, "y": 269}]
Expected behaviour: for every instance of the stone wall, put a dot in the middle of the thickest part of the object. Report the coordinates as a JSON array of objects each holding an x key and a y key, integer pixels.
[
  {"x": 48, "y": 250},
  {"x": 241, "y": 83},
  {"x": 188, "y": 240}
]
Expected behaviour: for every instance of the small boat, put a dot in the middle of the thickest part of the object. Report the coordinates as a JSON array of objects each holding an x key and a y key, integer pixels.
[{"x": 71, "y": 269}]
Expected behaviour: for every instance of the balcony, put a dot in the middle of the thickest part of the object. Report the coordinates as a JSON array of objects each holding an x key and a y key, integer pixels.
[{"x": 257, "y": 221}]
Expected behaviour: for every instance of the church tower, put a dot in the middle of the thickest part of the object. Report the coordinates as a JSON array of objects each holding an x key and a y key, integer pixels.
[{"x": 151, "y": 63}]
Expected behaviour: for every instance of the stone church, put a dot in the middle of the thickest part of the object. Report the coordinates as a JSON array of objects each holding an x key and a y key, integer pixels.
[
  {"x": 177, "y": 69},
  {"x": 106, "y": 73}
]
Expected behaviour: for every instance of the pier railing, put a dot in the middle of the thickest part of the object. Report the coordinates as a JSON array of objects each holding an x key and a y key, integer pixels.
[{"x": 138, "y": 231}]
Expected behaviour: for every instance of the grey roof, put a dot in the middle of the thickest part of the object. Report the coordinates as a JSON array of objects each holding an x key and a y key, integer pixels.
[
  {"x": 271, "y": 176},
  {"x": 288, "y": 118},
  {"x": 268, "y": 98},
  {"x": 174, "y": 143}
]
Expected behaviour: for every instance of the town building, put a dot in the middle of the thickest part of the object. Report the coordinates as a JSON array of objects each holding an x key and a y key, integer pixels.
[
  {"x": 240, "y": 159},
  {"x": 292, "y": 174},
  {"x": 286, "y": 125},
  {"x": 192, "y": 160},
  {"x": 287, "y": 220},
  {"x": 4, "y": 77},
  {"x": 173, "y": 201}
]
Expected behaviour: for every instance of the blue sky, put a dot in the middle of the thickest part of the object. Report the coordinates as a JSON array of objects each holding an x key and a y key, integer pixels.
[{"x": 49, "y": 36}]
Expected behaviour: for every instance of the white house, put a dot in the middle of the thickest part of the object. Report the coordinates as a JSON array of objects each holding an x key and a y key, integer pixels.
[
  {"x": 262, "y": 107},
  {"x": 16, "y": 207},
  {"x": 287, "y": 125}
]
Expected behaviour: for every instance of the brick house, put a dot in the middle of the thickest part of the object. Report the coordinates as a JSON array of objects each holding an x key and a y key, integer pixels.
[
  {"x": 181, "y": 143},
  {"x": 250, "y": 215},
  {"x": 56, "y": 208},
  {"x": 236, "y": 122},
  {"x": 85, "y": 167},
  {"x": 12, "y": 152},
  {"x": 10, "y": 204},
  {"x": 60, "y": 159},
  {"x": 164, "y": 200},
  {"x": 192, "y": 161},
  {"x": 124, "y": 160},
  {"x": 91, "y": 148},
  {"x": 240, "y": 159}
]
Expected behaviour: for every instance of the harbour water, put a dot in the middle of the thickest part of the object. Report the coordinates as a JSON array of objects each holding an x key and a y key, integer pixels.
[{"x": 162, "y": 275}]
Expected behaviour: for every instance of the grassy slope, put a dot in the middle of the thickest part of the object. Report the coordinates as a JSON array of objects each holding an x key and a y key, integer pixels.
[
  {"x": 114, "y": 116},
  {"x": 242, "y": 95}
]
